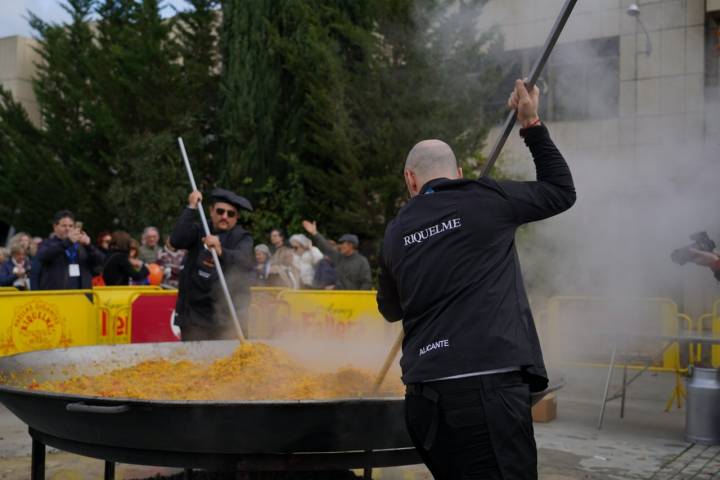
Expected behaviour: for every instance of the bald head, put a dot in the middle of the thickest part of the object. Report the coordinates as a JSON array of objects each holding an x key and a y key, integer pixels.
[{"x": 427, "y": 160}]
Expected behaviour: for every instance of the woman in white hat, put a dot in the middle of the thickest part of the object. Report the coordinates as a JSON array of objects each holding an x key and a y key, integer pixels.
[{"x": 306, "y": 257}]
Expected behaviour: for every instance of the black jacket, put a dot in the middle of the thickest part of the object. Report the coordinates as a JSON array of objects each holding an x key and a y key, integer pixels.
[
  {"x": 201, "y": 301},
  {"x": 450, "y": 271},
  {"x": 54, "y": 257},
  {"x": 118, "y": 270}
]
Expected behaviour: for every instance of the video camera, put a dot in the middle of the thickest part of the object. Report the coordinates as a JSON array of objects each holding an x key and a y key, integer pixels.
[{"x": 701, "y": 242}]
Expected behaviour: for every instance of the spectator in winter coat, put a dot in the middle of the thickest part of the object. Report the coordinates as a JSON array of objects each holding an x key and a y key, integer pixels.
[
  {"x": 150, "y": 248},
  {"x": 68, "y": 257},
  {"x": 352, "y": 269},
  {"x": 306, "y": 257},
  {"x": 262, "y": 264},
  {"x": 15, "y": 271},
  {"x": 119, "y": 267}
]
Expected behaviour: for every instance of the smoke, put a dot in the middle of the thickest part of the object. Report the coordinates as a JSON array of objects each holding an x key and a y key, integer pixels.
[
  {"x": 645, "y": 165},
  {"x": 325, "y": 346}
]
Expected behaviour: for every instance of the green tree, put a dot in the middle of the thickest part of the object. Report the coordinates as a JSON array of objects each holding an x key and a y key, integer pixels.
[
  {"x": 33, "y": 180},
  {"x": 347, "y": 88}
]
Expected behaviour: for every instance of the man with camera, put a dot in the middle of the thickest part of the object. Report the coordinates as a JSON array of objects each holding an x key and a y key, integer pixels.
[
  {"x": 702, "y": 252},
  {"x": 68, "y": 257},
  {"x": 708, "y": 259}
]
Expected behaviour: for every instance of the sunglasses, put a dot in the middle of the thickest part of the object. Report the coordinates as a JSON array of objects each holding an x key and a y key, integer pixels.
[{"x": 222, "y": 211}]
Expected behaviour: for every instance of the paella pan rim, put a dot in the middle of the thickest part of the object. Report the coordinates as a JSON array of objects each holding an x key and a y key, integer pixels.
[{"x": 217, "y": 403}]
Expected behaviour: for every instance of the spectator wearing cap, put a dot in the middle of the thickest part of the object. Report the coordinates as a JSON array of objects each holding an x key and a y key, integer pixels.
[
  {"x": 306, "y": 258},
  {"x": 351, "y": 268},
  {"x": 201, "y": 312},
  {"x": 262, "y": 264},
  {"x": 150, "y": 248}
]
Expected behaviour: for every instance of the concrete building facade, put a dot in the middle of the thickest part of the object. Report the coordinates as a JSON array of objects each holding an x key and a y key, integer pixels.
[
  {"x": 17, "y": 67},
  {"x": 652, "y": 83},
  {"x": 637, "y": 113}
]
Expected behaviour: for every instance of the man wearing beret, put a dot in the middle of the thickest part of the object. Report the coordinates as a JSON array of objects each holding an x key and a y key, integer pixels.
[
  {"x": 352, "y": 269},
  {"x": 202, "y": 313}
]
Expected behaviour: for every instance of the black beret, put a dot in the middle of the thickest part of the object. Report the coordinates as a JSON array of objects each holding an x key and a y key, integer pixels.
[{"x": 222, "y": 195}]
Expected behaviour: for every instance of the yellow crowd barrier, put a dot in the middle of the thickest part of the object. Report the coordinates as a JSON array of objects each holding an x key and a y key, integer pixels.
[
  {"x": 584, "y": 330},
  {"x": 55, "y": 319},
  {"x": 38, "y": 320},
  {"x": 709, "y": 322},
  {"x": 114, "y": 308},
  {"x": 336, "y": 313}
]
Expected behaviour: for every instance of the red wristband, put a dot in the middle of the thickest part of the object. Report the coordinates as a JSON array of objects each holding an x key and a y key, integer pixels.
[
  {"x": 715, "y": 266},
  {"x": 533, "y": 123}
]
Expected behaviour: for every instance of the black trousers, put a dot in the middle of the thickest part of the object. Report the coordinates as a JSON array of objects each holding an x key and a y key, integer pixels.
[{"x": 474, "y": 428}]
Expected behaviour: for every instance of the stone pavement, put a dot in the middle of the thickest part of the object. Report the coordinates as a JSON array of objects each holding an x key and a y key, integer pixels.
[{"x": 645, "y": 445}]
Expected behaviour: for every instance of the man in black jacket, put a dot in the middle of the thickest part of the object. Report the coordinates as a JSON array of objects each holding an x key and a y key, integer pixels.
[
  {"x": 68, "y": 257},
  {"x": 450, "y": 271},
  {"x": 202, "y": 313}
]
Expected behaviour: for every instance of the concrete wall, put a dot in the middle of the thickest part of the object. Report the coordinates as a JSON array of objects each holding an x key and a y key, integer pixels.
[{"x": 17, "y": 67}]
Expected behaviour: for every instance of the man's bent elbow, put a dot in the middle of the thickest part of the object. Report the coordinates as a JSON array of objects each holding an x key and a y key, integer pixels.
[
  {"x": 570, "y": 198},
  {"x": 391, "y": 313}
]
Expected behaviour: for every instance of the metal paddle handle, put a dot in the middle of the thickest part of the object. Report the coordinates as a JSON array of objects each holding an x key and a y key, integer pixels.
[
  {"x": 530, "y": 83},
  {"x": 500, "y": 142},
  {"x": 206, "y": 229}
]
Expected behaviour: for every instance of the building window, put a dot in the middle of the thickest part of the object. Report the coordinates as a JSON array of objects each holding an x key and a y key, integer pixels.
[{"x": 581, "y": 80}]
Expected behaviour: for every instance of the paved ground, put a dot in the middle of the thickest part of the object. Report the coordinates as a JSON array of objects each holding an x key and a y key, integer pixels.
[{"x": 647, "y": 444}]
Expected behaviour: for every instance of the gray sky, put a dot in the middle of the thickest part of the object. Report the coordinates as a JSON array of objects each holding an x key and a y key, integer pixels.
[{"x": 13, "y": 14}]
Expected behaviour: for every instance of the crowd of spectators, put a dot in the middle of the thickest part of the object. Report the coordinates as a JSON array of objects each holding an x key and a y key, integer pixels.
[
  {"x": 311, "y": 261},
  {"x": 68, "y": 259}
]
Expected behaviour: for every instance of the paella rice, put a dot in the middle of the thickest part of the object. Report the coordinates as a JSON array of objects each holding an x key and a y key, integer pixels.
[{"x": 254, "y": 371}]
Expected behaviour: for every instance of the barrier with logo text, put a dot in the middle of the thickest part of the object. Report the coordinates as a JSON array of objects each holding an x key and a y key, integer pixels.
[
  {"x": 111, "y": 315},
  {"x": 37, "y": 320},
  {"x": 114, "y": 305},
  {"x": 336, "y": 313}
]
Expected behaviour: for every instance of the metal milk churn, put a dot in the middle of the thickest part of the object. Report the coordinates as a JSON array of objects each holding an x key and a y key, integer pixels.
[{"x": 702, "y": 417}]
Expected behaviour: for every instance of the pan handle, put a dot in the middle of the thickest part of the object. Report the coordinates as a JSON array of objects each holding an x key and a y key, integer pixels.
[{"x": 82, "y": 408}]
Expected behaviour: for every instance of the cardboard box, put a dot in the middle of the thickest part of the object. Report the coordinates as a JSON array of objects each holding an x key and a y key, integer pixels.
[{"x": 545, "y": 410}]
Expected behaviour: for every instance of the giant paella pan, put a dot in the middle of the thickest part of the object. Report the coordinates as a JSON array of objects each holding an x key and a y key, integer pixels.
[{"x": 200, "y": 433}]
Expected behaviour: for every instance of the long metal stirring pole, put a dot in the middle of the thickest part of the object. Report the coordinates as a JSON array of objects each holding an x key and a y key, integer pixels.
[
  {"x": 534, "y": 75},
  {"x": 499, "y": 143},
  {"x": 206, "y": 229}
]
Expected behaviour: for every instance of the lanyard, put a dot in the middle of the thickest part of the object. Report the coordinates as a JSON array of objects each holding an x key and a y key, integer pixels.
[{"x": 72, "y": 253}]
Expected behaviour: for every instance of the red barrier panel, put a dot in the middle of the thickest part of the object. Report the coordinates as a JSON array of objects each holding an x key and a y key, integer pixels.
[{"x": 152, "y": 317}]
